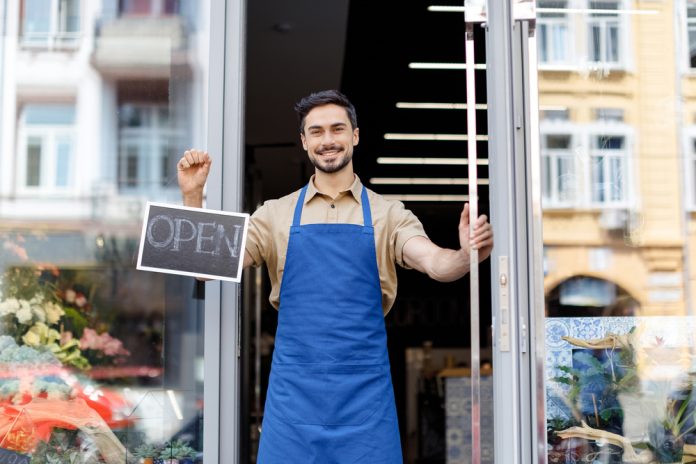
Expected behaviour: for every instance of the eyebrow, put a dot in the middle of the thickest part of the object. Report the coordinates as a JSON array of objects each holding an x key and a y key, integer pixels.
[{"x": 336, "y": 124}]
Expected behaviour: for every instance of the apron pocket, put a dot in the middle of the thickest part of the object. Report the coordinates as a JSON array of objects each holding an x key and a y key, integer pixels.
[
  {"x": 354, "y": 393},
  {"x": 331, "y": 395}
]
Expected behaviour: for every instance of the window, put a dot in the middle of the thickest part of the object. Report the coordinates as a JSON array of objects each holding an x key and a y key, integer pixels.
[
  {"x": 691, "y": 28},
  {"x": 608, "y": 169},
  {"x": 554, "y": 114},
  {"x": 691, "y": 168},
  {"x": 46, "y": 147},
  {"x": 559, "y": 182},
  {"x": 147, "y": 149},
  {"x": 604, "y": 32},
  {"x": 585, "y": 165},
  {"x": 50, "y": 23},
  {"x": 554, "y": 37},
  {"x": 149, "y": 7},
  {"x": 609, "y": 114}
]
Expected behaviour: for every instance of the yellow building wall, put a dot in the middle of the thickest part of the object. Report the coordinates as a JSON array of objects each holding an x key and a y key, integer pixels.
[{"x": 647, "y": 259}]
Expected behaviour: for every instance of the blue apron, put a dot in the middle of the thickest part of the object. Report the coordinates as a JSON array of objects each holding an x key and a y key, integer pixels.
[{"x": 330, "y": 398}]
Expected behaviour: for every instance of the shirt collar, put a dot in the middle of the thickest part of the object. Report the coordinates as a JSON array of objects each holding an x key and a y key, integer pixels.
[{"x": 355, "y": 189}]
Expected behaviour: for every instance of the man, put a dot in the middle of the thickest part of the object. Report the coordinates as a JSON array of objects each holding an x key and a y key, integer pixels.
[{"x": 331, "y": 250}]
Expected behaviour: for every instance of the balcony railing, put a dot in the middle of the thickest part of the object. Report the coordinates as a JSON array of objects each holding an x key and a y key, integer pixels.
[{"x": 51, "y": 40}]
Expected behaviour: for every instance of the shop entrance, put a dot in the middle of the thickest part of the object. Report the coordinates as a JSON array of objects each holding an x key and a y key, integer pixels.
[{"x": 401, "y": 65}]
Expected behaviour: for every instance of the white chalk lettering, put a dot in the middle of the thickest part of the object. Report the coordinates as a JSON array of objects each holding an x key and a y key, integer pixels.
[
  {"x": 150, "y": 236},
  {"x": 232, "y": 247},
  {"x": 177, "y": 233},
  {"x": 202, "y": 237},
  {"x": 173, "y": 234}
]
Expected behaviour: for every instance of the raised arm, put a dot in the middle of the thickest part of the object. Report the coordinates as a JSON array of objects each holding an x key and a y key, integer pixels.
[
  {"x": 192, "y": 173},
  {"x": 447, "y": 265}
]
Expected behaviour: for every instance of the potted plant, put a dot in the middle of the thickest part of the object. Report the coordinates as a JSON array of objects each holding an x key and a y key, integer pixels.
[
  {"x": 177, "y": 452},
  {"x": 667, "y": 437},
  {"x": 146, "y": 453}
]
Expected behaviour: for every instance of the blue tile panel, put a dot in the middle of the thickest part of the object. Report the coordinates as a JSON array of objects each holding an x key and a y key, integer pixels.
[
  {"x": 458, "y": 420},
  {"x": 666, "y": 331}
]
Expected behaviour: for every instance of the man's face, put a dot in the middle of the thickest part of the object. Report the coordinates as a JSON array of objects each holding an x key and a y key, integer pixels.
[{"x": 329, "y": 138}]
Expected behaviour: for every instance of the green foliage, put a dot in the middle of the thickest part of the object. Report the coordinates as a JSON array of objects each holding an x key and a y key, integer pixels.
[
  {"x": 593, "y": 385},
  {"x": 76, "y": 321},
  {"x": 679, "y": 420},
  {"x": 146, "y": 450},
  {"x": 26, "y": 282},
  {"x": 177, "y": 449},
  {"x": 65, "y": 447}
]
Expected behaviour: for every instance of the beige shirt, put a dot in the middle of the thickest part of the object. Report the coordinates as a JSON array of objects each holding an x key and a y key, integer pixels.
[{"x": 269, "y": 229}]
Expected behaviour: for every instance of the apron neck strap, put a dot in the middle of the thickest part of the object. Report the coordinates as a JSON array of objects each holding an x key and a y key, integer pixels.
[
  {"x": 367, "y": 212},
  {"x": 298, "y": 208}
]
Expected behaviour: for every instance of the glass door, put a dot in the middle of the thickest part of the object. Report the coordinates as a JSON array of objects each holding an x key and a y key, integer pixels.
[
  {"x": 617, "y": 106},
  {"x": 101, "y": 362}
]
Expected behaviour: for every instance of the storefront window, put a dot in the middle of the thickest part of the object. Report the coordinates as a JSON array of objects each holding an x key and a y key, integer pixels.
[
  {"x": 99, "y": 362},
  {"x": 618, "y": 260}
]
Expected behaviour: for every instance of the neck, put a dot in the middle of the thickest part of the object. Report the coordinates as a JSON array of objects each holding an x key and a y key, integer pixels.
[{"x": 333, "y": 183}]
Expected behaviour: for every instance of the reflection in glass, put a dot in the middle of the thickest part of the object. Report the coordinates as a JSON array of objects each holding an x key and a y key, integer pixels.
[
  {"x": 98, "y": 362},
  {"x": 691, "y": 30},
  {"x": 619, "y": 258},
  {"x": 50, "y": 23},
  {"x": 553, "y": 38}
]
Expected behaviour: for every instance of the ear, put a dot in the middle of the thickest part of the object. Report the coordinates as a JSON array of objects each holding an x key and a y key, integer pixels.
[
  {"x": 304, "y": 141},
  {"x": 356, "y": 136}
]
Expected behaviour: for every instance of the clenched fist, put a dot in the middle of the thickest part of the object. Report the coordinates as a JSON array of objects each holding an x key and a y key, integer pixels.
[{"x": 192, "y": 173}]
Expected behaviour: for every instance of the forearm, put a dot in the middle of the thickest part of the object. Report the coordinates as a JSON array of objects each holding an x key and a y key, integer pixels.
[
  {"x": 446, "y": 265},
  {"x": 193, "y": 199}
]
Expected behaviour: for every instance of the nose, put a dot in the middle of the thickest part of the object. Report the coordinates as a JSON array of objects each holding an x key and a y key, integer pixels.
[{"x": 327, "y": 138}]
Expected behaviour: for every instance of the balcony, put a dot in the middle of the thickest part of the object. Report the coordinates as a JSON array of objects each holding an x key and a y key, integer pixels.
[{"x": 132, "y": 47}]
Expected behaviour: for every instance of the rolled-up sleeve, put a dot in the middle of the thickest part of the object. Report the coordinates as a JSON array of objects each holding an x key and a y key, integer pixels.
[{"x": 405, "y": 226}]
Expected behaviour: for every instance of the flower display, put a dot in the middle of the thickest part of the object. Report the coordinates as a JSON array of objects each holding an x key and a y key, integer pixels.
[
  {"x": 45, "y": 342},
  {"x": 102, "y": 346}
]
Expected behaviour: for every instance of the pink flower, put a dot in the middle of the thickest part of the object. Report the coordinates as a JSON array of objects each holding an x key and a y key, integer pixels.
[
  {"x": 70, "y": 296},
  {"x": 105, "y": 343},
  {"x": 80, "y": 300},
  {"x": 65, "y": 337}
]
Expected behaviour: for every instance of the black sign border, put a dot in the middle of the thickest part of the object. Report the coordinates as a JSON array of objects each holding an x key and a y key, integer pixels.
[{"x": 143, "y": 234}]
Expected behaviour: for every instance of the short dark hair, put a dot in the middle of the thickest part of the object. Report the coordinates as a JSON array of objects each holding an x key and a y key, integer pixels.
[{"x": 325, "y": 97}]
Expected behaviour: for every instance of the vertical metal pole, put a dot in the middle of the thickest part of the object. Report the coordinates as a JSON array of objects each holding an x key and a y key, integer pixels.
[
  {"x": 474, "y": 268},
  {"x": 212, "y": 328},
  {"x": 507, "y": 280},
  {"x": 536, "y": 244},
  {"x": 232, "y": 167}
]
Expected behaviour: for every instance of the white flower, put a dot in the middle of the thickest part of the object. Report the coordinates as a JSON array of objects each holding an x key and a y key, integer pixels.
[
  {"x": 70, "y": 296},
  {"x": 39, "y": 313},
  {"x": 53, "y": 312},
  {"x": 9, "y": 306},
  {"x": 24, "y": 315},
  {"x": 4, "y": 308},
  {"x": 31, "y": 338}
]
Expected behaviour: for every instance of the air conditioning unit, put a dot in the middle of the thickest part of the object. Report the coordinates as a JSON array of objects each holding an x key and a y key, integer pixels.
[{"x": 613, "y": 219}]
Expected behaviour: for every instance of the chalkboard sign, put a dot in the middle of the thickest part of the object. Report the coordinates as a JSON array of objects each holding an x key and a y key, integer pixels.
[
  {"x": 193, "y": 241},
  {"x": 10, "y": 457}
]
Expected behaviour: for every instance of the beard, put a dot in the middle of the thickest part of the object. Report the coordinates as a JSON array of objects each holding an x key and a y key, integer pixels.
[{"x": 335, "y": 165}]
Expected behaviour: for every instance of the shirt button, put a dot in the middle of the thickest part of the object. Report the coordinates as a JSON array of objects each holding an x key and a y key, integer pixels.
[{"x": 332, "y": 206}]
